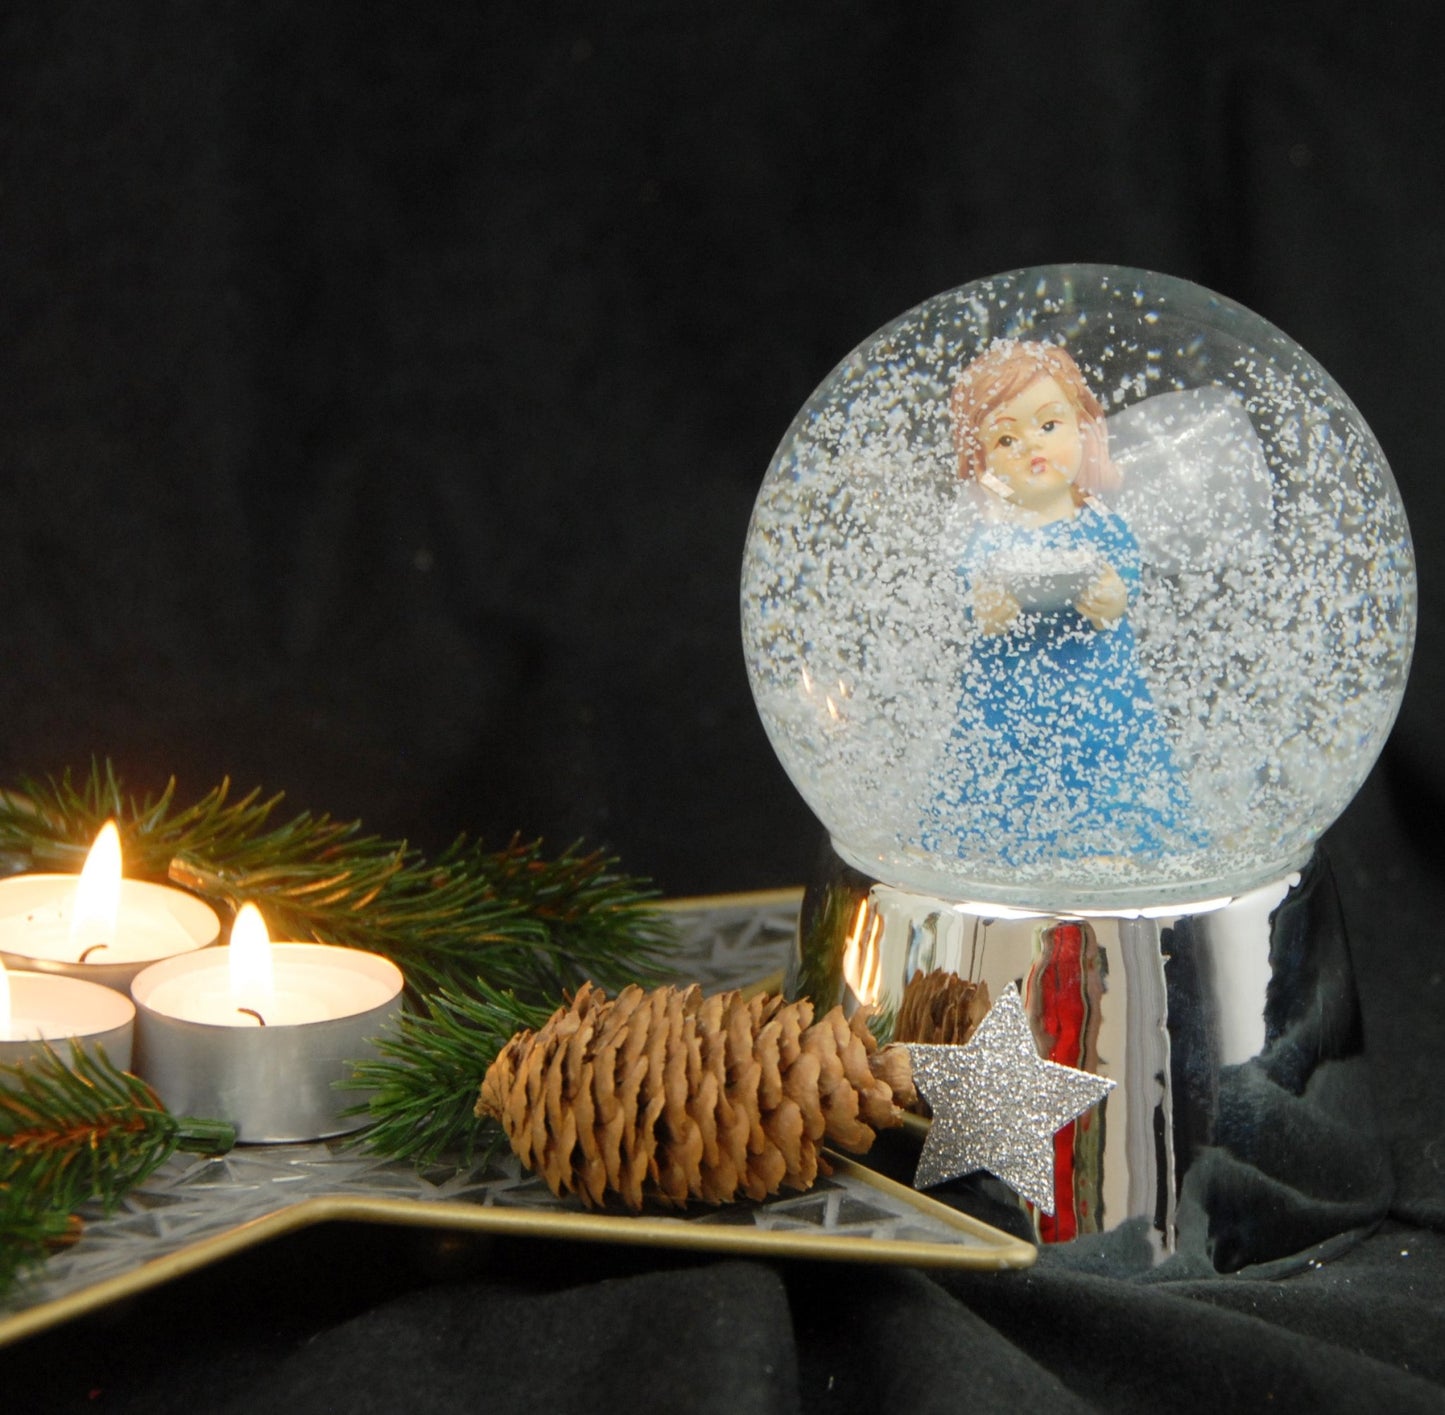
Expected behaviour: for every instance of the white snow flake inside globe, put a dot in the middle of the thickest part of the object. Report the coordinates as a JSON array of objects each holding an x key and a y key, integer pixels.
[{"x": 1078, "y": 587}]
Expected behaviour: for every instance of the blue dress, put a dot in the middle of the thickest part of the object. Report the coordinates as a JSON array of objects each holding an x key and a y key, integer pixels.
[{"x": 1058, "y": 751}]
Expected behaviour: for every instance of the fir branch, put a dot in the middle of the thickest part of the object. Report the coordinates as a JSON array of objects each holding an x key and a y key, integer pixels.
[
  {"x": 523, "y": 922},
  {"x": 439, "y": 926},
  {"x": 51, "y": 823},
  {"x": 424, "y": 1085},
  {"x": 71, "y": 1133},
  {"x": 579, "y": 897}
]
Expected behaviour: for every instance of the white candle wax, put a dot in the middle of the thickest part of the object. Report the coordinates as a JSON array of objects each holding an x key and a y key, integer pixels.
[
  {"x": 44, "y": 1007},
  {"x": 314, "y": 988},
  {"x": 45, "y": 932},
  {"x": 153, "y": 921}
]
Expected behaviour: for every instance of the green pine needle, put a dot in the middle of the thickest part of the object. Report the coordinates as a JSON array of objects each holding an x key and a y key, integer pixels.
[
  {"x": 72, "y": 1133},
  {"x": 425, "y": 1082}
]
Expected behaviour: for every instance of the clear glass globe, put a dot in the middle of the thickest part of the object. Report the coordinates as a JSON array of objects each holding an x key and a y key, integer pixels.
[{"x": 1078, "y": 587}]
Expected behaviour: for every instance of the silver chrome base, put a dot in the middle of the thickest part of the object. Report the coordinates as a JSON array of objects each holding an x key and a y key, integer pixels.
[{"x": 1240, "y": 1130}]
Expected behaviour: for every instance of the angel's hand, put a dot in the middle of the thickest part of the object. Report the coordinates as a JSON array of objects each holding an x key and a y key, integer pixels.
[
  {"x": 994, "y": 608},
  {"x": 1104, "y": 603}
]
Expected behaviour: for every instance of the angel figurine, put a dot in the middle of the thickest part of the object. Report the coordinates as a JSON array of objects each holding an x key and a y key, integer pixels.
[{"x": 1059, "y": 752}]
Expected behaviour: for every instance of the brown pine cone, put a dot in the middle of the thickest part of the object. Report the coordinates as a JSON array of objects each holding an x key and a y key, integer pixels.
[
  {"x": 671, "y": 1096},
  {"x": 941, "y": 1008}
]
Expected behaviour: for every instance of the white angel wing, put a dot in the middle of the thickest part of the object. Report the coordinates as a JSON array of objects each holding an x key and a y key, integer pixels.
[{"x": 1196, "y": 489}]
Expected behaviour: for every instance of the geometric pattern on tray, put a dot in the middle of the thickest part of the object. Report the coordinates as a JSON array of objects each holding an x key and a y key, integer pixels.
[
  {"x": 189, "y": 1200},
  {"x": 729, "y": 943}
]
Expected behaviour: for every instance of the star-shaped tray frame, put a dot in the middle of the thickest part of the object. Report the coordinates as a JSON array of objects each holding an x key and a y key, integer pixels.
[{"x": 195, "y": 1212}]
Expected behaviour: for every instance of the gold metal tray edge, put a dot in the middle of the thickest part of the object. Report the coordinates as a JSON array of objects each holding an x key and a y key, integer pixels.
[{"x": 1001, "y": 1251}]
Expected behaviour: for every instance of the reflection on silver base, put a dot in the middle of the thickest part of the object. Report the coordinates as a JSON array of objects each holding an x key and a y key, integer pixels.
[{"x": 1241, "y": 1128}]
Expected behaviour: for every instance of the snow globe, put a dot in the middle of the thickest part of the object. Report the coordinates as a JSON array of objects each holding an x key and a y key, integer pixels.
[{"x": 1077, "y": 603}]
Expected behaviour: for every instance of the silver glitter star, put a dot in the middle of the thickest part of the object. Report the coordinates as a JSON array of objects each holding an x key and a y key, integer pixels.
[{"x": 997, "y": 1103}]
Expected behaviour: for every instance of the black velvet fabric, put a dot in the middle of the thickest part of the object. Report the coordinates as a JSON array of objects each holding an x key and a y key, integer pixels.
[{"x": 385, "y": 391}]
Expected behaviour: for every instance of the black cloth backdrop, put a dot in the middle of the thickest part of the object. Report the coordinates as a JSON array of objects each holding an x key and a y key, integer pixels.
[{"x": 385, "y": 391}]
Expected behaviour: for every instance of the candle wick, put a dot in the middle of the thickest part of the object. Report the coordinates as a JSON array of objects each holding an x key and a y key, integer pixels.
[
  {"x": 91, "y": 950},
  {"x": 251, "y": 1012}
]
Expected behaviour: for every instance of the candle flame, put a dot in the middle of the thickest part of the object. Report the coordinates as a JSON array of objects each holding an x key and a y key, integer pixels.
[
  {"x": 97, "y": 894},
  {"x": 4, "y": 1003},
  {"x": 862, "y": 958},
  {"x": 252, "y": 980}
]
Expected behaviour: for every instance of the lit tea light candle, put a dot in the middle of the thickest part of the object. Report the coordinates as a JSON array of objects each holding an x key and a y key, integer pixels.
[
  {"x": 98, "y": 926},
  {"x": 253, "y": 972},
  {"x": 260, "y": 1033},
  {"x": 36, "y": 1008}
]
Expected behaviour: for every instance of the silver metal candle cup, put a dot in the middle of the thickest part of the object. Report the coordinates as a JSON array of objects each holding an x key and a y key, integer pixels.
[
  {"x": 274, "y": 1083},
  {"x": 22, "y": 894},
  {"x": 1241, "y": 1129},
  {"x": 96, "y": 1017}
]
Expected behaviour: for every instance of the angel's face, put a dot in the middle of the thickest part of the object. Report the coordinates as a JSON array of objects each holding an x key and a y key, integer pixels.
[{"x": 1033, "y": 443}]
